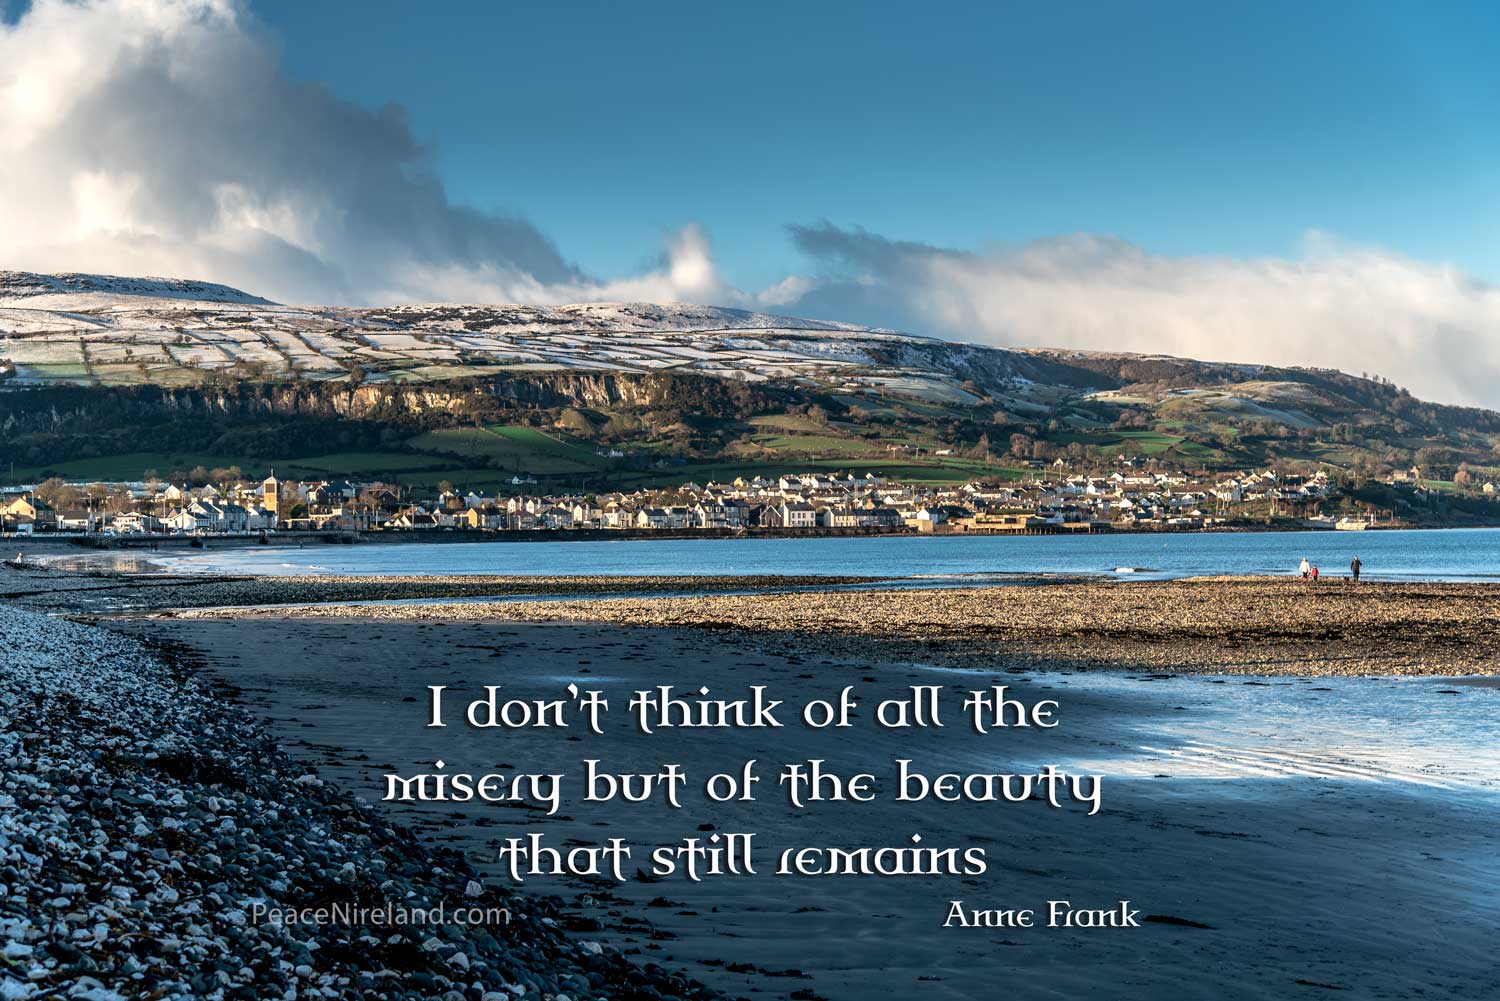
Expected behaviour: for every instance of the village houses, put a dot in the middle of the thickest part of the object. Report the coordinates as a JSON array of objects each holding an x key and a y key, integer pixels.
[{"x": 1124, "y": 498}]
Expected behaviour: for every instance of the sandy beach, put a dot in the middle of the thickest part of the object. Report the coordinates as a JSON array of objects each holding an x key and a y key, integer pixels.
[
  {"x": 1271, "y": 866},
  {"x": 1260, "y": 625},
  {"x": 54, "y": 586},
  {"x": 1267, "y": 839}
]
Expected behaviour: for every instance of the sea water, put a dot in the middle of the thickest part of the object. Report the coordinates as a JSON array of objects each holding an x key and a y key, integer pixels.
[{"x": 1439, "y": 554}]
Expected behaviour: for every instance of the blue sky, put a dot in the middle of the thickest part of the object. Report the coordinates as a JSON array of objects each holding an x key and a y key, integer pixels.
[
  {"x": 1293, "y": 184},
  {"x": 1186, "y": 128}
]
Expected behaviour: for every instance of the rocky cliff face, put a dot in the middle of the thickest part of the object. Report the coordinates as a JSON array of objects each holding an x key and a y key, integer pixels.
[{"x": 76, "y": 408}]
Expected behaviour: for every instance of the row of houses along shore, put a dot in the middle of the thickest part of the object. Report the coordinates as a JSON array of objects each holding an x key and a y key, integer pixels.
[{"x": 807, "y": 502}]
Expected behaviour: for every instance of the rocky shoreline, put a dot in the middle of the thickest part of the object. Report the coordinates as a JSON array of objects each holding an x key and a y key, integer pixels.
[
  {"x": 1205, "y": 625},
  {"x": 71, "y": 590},
  {"x": 146, "y": 822},
  {"x": 144, "y": 816}
]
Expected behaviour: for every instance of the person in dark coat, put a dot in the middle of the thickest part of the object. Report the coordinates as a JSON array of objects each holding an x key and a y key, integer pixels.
[{"x": 1354, "y": 566}]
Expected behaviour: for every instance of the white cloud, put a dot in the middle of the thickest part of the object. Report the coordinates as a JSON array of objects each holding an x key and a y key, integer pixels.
[
  {"x": 1428, "y": 327},
  {"x": 163, "y": 137}
]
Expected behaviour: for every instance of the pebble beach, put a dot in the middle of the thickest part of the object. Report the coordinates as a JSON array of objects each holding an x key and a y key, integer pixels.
[
  {"x": 145, "y": 822},
  {"x": 149, "y": 815}
]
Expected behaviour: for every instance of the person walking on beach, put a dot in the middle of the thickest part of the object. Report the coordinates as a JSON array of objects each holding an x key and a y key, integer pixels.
[
  {"x": 1315, "y": 573},
  {"x": 1354, "y": 566},
  {"x": 1305, "y": 569}
]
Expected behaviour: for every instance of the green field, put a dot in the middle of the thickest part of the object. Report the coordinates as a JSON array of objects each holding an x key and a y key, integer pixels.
[
  {"x": 134, "y": 466},
  {"x": 351, "y": 463},
  {"x": 131, "y": 466},
  {"x": 496, "y": 454},
  {"x": 820, "y": 444},
  {"x": 466, "y": 478},
  {"x": 1132, "y": 442},
  {"x": 943, "y": 471},
  {"x": 790, "y": 423},
  {"x": 795, "y": 435},
  {"x": 515, "y": 448}
]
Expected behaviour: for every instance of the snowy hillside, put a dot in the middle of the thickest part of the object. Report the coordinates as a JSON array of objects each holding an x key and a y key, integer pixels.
[
  {"x": 91, "y": 329},
  {"x": 75, "y": 291},
  {"x": 84, "y": 330}
]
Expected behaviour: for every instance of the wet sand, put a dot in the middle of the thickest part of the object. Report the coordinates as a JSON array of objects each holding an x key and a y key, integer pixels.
[
  {"x": 1284, "y": 881},
  {"x": 1269, "y": 863},
  {"x": 1266, "y": 626},
  {"x": 75, "y": 587},
  {"x": 151, "y": 834}
]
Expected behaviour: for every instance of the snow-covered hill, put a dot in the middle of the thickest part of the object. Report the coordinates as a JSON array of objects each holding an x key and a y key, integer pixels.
[
  {"x": 103, "y": 331},
  {"x": 75, "y": 291},
  {"x": 111, "y": 331}
]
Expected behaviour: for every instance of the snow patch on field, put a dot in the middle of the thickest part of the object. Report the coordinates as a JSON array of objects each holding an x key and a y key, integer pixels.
[{"x": 54, "y": 327}]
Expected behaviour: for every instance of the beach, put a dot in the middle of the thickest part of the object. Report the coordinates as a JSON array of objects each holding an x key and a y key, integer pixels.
[
  {"x": 1265, "y": 626},
  {"x": 1269, "y": 866},
  {"x": 1297, "y": 780},
  {"x": 148, "y": 824},
  {"x": 115, "y": 591}
]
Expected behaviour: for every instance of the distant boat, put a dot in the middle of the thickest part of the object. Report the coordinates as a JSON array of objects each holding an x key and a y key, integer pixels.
[{"x": 1351, "y": 524}]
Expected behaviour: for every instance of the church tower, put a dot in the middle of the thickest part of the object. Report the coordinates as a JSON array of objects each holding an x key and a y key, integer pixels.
[{"x": 270, "y": 495}]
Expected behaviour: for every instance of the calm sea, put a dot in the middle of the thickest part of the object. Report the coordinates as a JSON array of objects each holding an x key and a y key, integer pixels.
[{"x": 1448, "y": 554}]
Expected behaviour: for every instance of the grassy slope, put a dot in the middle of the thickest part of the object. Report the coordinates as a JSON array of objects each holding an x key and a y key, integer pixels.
[
  {"x": 429, "y": 470},
  {"x": 135, "y": 465},
  {"x": 513, "y": 447}
]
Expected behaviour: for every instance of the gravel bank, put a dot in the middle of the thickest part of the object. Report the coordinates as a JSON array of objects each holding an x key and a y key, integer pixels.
[
  {"x": 142, "y": 820},
  {"x": 1213, "y": 625},
  {"x": 39, "y": 587}
]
